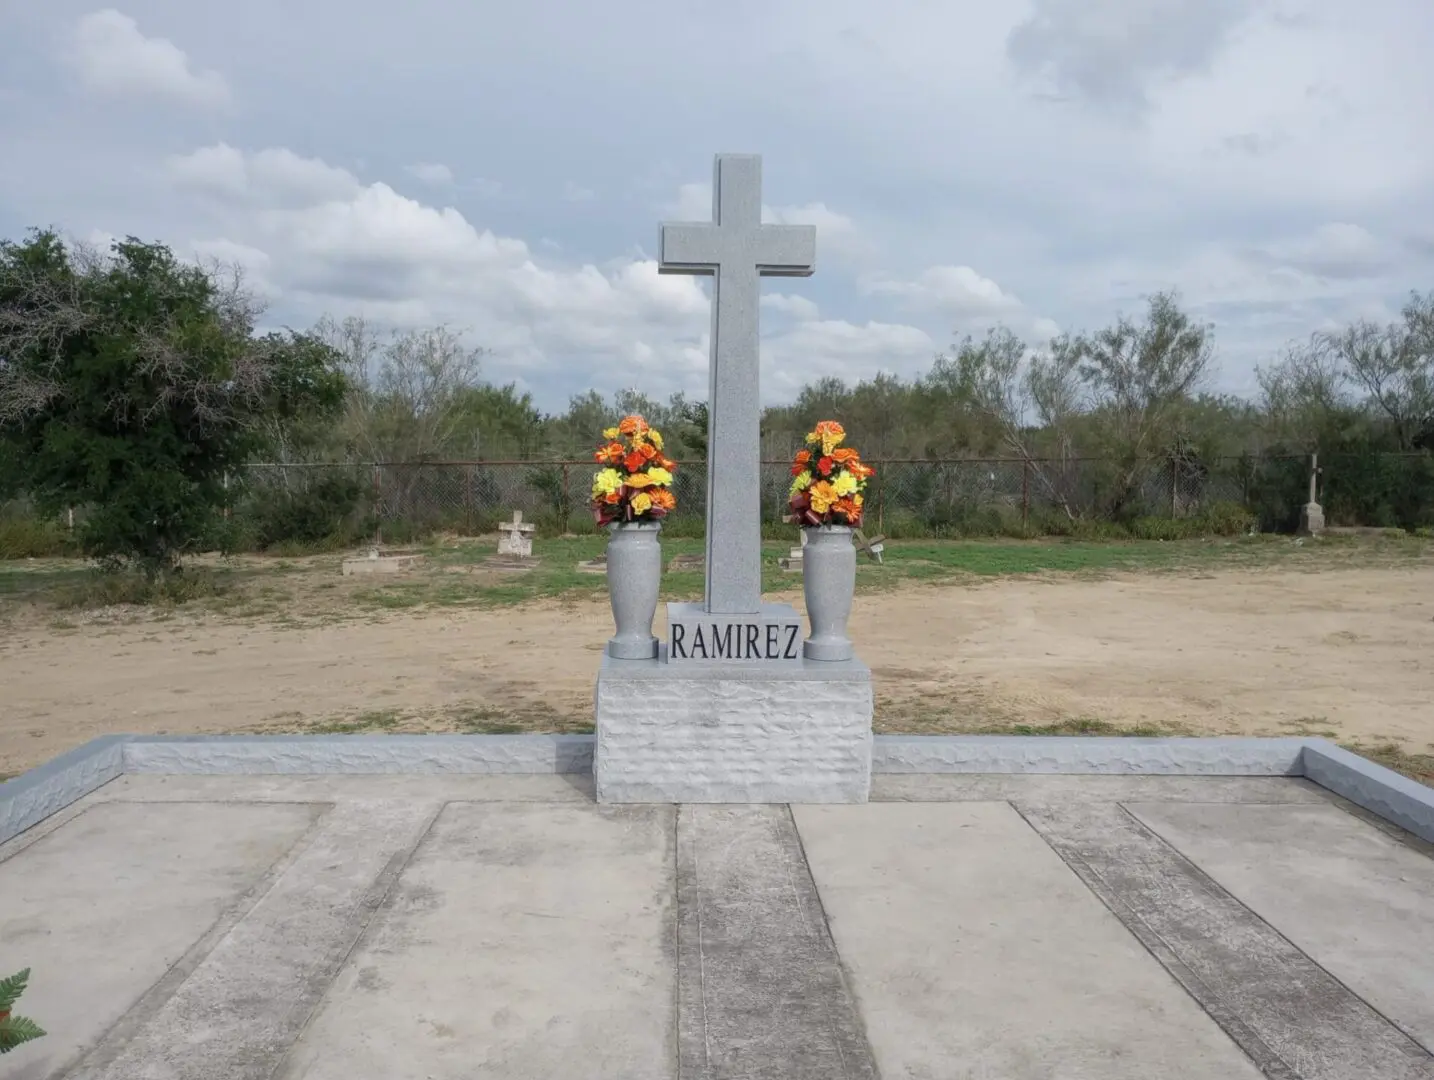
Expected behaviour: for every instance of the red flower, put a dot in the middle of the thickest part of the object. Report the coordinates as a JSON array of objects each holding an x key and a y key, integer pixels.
[
  {"x": 824, "y": 465},
  {"x": 634, "y": 461}
]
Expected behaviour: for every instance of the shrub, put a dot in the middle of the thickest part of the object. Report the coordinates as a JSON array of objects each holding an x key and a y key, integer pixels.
[
  {"x": 35, "y": 538},
  {"x": 332, "y": 511}
]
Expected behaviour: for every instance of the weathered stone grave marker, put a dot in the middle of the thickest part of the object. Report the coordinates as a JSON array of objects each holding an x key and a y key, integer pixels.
[
  {"x": 516, "y": 536},
  {"x": 1312, "y": 513},
  {"x": 730, "y": 710},
  {"x": 871, "y": 548}
]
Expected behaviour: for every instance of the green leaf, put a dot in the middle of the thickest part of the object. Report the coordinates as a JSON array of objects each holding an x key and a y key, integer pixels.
[
  {"x": 12, "y": 988},
  {"x": 17, "y": 1030}
]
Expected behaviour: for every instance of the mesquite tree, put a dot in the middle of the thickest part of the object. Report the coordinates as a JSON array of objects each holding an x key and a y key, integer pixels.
[{"x": 132, "y": 383}]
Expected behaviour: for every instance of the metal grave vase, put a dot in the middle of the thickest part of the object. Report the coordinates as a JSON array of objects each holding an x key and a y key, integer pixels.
[
  {"x": 828, "y": 584},
  {"x": 634, "y": 574}
]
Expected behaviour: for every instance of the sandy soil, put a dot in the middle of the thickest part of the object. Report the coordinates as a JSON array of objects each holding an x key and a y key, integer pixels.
[{"x": 1340, "y": 652}]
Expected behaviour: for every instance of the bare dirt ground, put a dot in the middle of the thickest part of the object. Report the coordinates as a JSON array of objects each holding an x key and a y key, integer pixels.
[{"x": 1344, "y": 653}]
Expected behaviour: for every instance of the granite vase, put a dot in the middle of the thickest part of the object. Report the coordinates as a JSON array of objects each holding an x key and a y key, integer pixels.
[
  {"x": 634, "y": 574},
  {"x": 828, "y": 584}
]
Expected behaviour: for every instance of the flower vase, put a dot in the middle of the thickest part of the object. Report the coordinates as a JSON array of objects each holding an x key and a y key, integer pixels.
[
  {"x": 828, "y": 584},
  {"x": 634, "y": 574}
]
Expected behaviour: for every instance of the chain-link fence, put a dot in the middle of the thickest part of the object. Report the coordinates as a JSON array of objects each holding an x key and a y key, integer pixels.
[
  {"x": 316, "y": 503},
  {"x": 912, "y": 497}
]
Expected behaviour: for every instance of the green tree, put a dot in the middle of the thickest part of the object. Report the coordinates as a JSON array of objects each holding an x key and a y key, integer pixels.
[{"x": 132, "y": 383}]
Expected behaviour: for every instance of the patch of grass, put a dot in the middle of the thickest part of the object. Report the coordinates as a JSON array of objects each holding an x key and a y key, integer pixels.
[
  {"x": 1415, "y": 766},
  {"x": 368, "y": 722},
  {"x": 1083, "y": 725},
  {"x": 99, "y": 589}
]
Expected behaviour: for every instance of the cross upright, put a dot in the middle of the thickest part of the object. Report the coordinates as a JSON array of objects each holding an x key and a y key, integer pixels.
[{"x": 735, "y": 250}]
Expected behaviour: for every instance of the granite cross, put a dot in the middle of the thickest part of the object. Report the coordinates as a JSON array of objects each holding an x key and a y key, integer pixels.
[{"x": 735, "y": 249}]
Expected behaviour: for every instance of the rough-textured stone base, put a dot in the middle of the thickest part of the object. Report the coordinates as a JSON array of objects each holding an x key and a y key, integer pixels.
[{"x": 794, "y": 734}]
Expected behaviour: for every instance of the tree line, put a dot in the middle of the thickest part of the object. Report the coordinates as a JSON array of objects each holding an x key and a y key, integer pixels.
[{"x": 136, "y": 385}]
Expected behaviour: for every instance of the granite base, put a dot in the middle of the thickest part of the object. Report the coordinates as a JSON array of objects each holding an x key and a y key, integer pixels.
[{"x": 732, "y": 733}]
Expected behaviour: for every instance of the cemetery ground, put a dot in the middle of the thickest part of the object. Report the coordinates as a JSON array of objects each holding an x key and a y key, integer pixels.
[{"x": 1253, "y": 636}]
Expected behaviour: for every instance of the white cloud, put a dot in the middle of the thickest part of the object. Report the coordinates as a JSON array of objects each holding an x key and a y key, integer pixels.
[
  {"x": 329, "y": 243},
  {"x": 798, "y": 307},
  {"x": 955, "y": 290},
  {"x": 272, "y": 177},
  {"x": 1337, "y": 250},
  {"x": 430, "y": 173},
  {"x": 849, "y": 351},
  {"x": 111, "y": 56}
]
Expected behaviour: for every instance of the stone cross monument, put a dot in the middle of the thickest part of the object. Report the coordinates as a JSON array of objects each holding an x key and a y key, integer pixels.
[
  {"x": 730, "y": 710},
  {"x": 735, "y": 249}
]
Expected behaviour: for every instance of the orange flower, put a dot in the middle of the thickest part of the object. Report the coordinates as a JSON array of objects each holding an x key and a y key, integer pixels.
[
  {"x": 844, "y": 455},
  {"x": 611, "y": 498},
  {"x": 824, "y": 466},
  {"x": 667, "y": 463},
  {"x": 611, "y": 453},
  {"x": 647, "y": 450},
  {"x": 632, "y": 425},
  {"x": 663, "y": 499},
  {"x": 639, "y": 480},
  {"x": 847, "y": 507},
  {"x": 829, "y": 433},
  {"x": 634, "y": 461},
  {"x": 822, "y": 496},
  {"x": 803, "y": 456}
]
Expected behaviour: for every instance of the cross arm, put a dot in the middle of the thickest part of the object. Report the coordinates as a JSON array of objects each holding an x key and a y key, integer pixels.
[
  {"x": 688, "y": 248},
  {"x": 786, "y": 250}
]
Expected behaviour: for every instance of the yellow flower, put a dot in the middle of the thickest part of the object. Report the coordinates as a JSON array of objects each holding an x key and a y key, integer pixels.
[
  {"x": 641, "y": 503},
  {"x": 610, "y": 433},
  {"x": 656, "y": 437},
  {"x": 802, "y": 482},
  {"x": 606, "y": 481},
  {"x": 856, "y": 499},
  {"x": 822, "y": 497},
  {"x": 845, "y": 484},
  {"x": 659, "y": 475}
]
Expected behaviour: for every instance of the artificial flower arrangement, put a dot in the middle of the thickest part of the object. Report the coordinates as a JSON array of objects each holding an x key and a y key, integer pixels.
[
  {"x": 829, "y": 479},
  {"x": 635, "y": 483}
]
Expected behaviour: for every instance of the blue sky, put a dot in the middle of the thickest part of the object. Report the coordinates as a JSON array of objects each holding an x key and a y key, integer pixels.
[{"x": 502, "y": 168}]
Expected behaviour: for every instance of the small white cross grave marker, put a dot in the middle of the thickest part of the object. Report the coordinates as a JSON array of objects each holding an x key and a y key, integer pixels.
[
  {"x": 516, "y": 536},
  {"x": 735, "y": 249}
]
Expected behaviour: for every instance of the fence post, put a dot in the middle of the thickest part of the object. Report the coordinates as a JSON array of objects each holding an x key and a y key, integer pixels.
[
  {"x": 563, "y": 504},
  {"x": 1025, "y": 495},
  {"x": 1174, "y": 488},
  {"x": 881, "y": 498},
  {"x": 377, "y": 506},
  {"x": 468, "y": 499}
]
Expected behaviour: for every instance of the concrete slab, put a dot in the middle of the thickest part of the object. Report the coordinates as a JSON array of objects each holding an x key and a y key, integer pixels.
[
  {"x": 523, "y": 942},
  {"x": 1293, "y": 1018},
  {"x": 761, "y": 992},
  {"x": 1354, "y": 900},
  {"x": 975, "y": 953},
  {"x": 299, "y": 927},
  {"x": 103, "y": 908}
]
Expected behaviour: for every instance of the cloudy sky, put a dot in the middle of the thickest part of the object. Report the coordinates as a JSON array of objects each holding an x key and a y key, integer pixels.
[{"x": 502, "y": 167}]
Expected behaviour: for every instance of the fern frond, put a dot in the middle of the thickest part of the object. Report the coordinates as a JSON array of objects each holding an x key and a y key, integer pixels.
[{"x": 12, "y": 988}]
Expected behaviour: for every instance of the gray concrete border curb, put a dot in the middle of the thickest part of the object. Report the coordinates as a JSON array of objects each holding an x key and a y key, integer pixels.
[
  {"x": 30, "y": 798},
  {"x": 1407, "y": 803},
  {"x": 1077, "y": 754}
]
